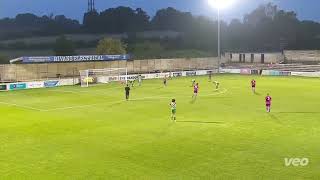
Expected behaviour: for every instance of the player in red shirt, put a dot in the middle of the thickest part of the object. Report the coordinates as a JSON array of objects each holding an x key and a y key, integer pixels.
[
  {"x": 195, "y": 91},
  {"x": 268, "y": 103},
  {"x": 253, "y": 85}
]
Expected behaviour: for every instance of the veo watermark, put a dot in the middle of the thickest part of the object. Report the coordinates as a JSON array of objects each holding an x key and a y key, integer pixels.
[{"x": 296, "y": 162}]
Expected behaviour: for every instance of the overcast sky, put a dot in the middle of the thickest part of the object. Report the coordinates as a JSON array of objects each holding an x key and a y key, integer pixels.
[{"x": 306, "y": 9}]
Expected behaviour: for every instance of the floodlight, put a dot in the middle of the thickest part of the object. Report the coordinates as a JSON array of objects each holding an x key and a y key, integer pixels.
[{"x": 220, "y": 4}]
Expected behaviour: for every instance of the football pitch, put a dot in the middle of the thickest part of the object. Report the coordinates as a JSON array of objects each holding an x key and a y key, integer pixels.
[{"x": 93, "y": 133}]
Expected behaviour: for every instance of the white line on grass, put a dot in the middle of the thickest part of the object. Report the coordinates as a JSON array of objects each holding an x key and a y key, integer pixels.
[
  {"x": 21, "y": 106},
  {"x": 73, "y": 92},
  {"x": 90, "y": 105},
  {"x": 214, "y": 94},
  {"x": 120, "y": 101},
  {"x": 95, "y": 92},
  {"x": 82, "y": 106}
]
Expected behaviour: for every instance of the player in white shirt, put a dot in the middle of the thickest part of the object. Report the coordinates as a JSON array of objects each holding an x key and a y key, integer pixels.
[
  {"x": 140, "y": 80},
  {"x": 173, "y": 106}
]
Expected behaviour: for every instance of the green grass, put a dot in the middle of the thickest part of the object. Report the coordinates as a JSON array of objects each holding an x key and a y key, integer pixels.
[{"x": 91, "y": 133}]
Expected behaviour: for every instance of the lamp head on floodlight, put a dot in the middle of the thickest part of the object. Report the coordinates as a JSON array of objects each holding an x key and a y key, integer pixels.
[{"x": 220, "y": 4}]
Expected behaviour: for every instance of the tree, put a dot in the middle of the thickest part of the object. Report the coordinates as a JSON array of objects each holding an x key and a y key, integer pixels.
[
  {"x": 172, "y": 19},
  {"x": 141, "y": 20},
  {"x": 4, "y": 59},
  {"x": 146, "y": 49},
  {"x": 122, "y": 20},
  {"x": 111, "y": 47},
  {"x": 116, "y": 20},
  {"x": 91, "y": 22},
  {"x": 64, "y": 47},
  {"x": 265, "y": 28}
]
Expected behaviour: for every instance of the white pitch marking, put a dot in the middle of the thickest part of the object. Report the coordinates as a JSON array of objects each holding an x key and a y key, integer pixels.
[
  {"x": 81, "y": 92},
  {"x": 82, "y": 106},
  {"x": 90, "y": 105},
  {"x": 214, "y": 94},
  {"x": 21, "y": 106},
  {"x": 120, "y": 101}
]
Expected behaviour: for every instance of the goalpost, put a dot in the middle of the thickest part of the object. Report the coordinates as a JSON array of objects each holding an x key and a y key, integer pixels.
[{"x": 96, "y": 76}]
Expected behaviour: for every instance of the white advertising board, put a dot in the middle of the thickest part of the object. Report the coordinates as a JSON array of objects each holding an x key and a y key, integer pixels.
[
  {"x": 35, "y": 85},
  {"x": 306, "y": 74}
]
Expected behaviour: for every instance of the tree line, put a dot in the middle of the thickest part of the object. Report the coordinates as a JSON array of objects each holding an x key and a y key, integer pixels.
[{"x": 267, "y": 28}]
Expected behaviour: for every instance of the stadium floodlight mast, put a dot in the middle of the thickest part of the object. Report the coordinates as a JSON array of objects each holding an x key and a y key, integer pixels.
[{"x": 219, "y": 5}]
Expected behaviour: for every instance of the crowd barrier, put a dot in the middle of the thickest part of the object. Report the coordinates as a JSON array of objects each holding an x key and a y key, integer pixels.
[
  {"x": 306, "y": 74},
  {"x": 230, "y": 71},
  {"x": 269, "y": 72},
  {"x": 275, "y": 73},
  {"x": 72, "y": 81}
]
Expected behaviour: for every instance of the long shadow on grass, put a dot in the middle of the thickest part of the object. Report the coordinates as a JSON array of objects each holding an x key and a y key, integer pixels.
[
  {"x": 258, "y": 94},
  {"x": 200, "y": 122},
  {"x": 274, "y": 117}
]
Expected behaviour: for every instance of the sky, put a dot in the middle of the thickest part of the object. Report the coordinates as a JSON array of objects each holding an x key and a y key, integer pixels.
[{"x": 306, "y": 9}]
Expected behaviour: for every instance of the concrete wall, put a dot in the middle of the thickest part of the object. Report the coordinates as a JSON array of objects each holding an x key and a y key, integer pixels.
[
  {"x": 291, "y": 56},
  {"x": 256, "y": 57},
  {"x": 30, "y": 72},
  {"x": 302, "y": 56}
]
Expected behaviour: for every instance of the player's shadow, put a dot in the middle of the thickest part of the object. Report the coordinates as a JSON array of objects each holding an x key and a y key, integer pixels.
[
  {"x": 193, "y": 100},
  {"x": 274, "y": 117},
  {"x": 258, "y": 94},
  {"x": 117, "y": 103},
  {"x": 200, "y": 122}
]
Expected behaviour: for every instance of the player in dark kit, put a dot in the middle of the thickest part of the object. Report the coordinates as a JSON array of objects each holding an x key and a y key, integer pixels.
[
  {"x": 253, "y": 85},
  {"x": 165, "y": 81},
  {"x": 268, "y": 103},
  {"x": 127, "y": 90},
  {"x": 216, "y": 84}
]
